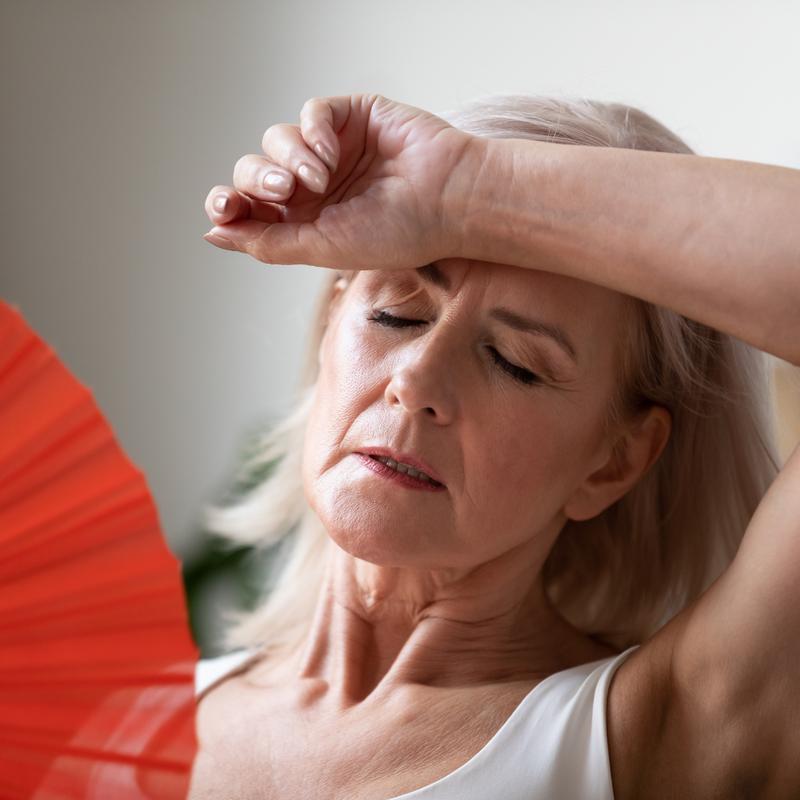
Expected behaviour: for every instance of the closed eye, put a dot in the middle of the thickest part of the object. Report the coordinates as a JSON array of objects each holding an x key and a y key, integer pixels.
[{"x": 521, "y": 374}]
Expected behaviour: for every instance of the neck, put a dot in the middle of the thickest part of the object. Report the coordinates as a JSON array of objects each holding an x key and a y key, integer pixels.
[{"x": 377, "y": 628}]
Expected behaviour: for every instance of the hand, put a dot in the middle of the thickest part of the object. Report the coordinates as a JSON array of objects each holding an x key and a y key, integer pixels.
[{"x": 382, "y": 188}]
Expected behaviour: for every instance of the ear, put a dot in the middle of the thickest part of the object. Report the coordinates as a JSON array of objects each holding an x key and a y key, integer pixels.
[
  {"x": 338, "y": 291},
  {"x": 635, "y": 450}
]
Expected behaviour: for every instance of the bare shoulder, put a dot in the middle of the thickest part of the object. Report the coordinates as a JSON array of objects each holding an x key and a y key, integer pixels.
[
  {"x": 709, "y": 706},
  {"x": 635, "y": 708},
  {"x": 668, "y": 740}
]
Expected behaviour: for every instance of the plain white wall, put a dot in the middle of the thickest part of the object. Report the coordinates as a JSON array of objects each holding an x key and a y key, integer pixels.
[{"x": 118, "y": 117}]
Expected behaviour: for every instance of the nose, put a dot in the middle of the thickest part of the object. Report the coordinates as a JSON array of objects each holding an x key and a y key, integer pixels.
[{"x": 423, "y": 379}]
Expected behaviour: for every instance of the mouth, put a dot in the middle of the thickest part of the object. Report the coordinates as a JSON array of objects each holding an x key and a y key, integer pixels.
[{"x": 408, "y": 474}]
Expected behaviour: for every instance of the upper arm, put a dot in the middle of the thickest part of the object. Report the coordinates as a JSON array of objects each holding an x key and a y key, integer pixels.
[
  {"x": 710, "y": 705},
  {"x": 740, "y": 640}
]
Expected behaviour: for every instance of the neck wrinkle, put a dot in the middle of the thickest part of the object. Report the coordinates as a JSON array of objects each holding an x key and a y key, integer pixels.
[{"x": 359, "y": 653}]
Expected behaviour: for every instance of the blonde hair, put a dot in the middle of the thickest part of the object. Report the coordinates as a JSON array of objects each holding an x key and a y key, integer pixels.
[{"x": 622, "y": 575}]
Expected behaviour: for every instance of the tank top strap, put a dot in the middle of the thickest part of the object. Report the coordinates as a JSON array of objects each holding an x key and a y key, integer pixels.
[
  {"x": 210, "y": 671},
  {"x": 554, "y": 744}
]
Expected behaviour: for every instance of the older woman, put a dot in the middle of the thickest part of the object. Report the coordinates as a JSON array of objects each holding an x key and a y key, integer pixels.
[{"x": 534, "y": 436}]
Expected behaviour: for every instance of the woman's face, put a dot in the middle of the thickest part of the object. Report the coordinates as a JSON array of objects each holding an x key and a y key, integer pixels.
[{"x": 510, "y": 452}]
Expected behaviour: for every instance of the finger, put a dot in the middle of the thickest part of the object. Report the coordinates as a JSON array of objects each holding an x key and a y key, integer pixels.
[
  {"x": 224, "y": 204},
  {"x": 282, "y": 243},
  {"x": 284, "y": 145},
  {"x": 321, "y": 119},
  {"x": 262, "y": 179}
]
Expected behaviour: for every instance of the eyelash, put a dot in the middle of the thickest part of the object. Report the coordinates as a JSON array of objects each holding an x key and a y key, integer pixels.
[{"x": 524, "y": 376}]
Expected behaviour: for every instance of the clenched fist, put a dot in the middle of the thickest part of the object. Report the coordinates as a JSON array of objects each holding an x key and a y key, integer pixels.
[{"x": 362, "y": 182}]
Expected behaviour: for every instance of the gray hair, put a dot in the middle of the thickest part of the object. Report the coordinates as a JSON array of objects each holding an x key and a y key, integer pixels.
[{"x": 623, "y": 574}]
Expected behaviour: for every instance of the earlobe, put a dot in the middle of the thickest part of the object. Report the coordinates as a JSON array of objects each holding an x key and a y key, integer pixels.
[{"x": 633, "y": 453}]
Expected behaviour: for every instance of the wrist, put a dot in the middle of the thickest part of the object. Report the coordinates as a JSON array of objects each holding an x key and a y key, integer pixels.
[
  {"x": 462, "y": 201},
  {"x": 508, "y": 212}
]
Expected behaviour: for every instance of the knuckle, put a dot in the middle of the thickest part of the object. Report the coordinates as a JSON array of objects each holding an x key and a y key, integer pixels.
[
  {"x": 275, "y": 134},
  {"x": 269, "y": 135},
  {"x": 241, "y": 166},
  {"x": 257, "y": 249},
  {"x": 246, "y": 171},
  {"x": 314, "y": 112}
]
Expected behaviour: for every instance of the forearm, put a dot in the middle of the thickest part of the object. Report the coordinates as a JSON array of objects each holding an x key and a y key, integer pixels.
[{"x": 714, "y": 239}]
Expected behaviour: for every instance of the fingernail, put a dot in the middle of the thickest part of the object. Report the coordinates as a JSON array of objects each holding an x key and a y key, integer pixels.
[
  {"x": 311, "y": 175},
  {"x": 276, "y": 181},
  {"x": 220, "y": 203},
  {"x": 325, "y": 154},
  {"x": 220, "y": 241}
]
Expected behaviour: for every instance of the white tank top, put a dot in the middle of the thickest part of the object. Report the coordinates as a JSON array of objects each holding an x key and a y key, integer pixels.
[{"x": 553, "y": 746}]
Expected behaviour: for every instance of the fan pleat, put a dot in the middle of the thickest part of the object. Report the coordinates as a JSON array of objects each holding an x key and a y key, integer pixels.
[{"x": 96, "y": 655}]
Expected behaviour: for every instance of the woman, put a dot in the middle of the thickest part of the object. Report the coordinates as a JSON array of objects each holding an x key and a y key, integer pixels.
[{"x": 562, "y": 337}]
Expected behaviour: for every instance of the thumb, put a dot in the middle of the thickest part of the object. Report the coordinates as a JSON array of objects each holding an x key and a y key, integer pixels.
[{"x": 275, "y": 242}]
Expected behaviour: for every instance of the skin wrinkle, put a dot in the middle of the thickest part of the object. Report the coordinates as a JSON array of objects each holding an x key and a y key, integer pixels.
[
  {"x": 432, "y": 274},
  {"x": 445, "y": 589},
  {"x": 410, "y": 296},
  {"x": 523, "y": 352}
]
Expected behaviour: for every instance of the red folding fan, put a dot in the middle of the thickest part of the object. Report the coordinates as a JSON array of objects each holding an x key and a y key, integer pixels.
[{"x": 96, "y": 654}]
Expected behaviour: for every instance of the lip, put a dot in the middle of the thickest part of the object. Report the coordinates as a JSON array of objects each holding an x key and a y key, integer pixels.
[
  {"x": 405, "y": 458},
  {"x": 379, "y": 468}
]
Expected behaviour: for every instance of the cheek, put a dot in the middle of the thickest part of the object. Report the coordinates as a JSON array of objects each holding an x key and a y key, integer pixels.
[
  {"x": 343, "y": 376},
  {"x": 312, "y": 450},
  {"x": 352, "y": 361},
  {"x": 517, "y": 467},
  {"x": 525, "y": 471},
  {"x": 341, "y": 395}
]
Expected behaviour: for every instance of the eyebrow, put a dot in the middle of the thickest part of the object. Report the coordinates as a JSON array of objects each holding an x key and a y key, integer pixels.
[{"x": 432, "y": 274}]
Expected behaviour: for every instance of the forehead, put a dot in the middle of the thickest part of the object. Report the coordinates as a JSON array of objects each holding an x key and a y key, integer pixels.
[{"x": 578, "y": 305}]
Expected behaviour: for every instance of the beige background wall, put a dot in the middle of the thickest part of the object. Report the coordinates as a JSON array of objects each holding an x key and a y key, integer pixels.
[{"x": 118, "y": 116}]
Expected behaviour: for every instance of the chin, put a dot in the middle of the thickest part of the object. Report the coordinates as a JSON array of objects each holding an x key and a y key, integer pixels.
[{"x": 374, "y": 548}]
